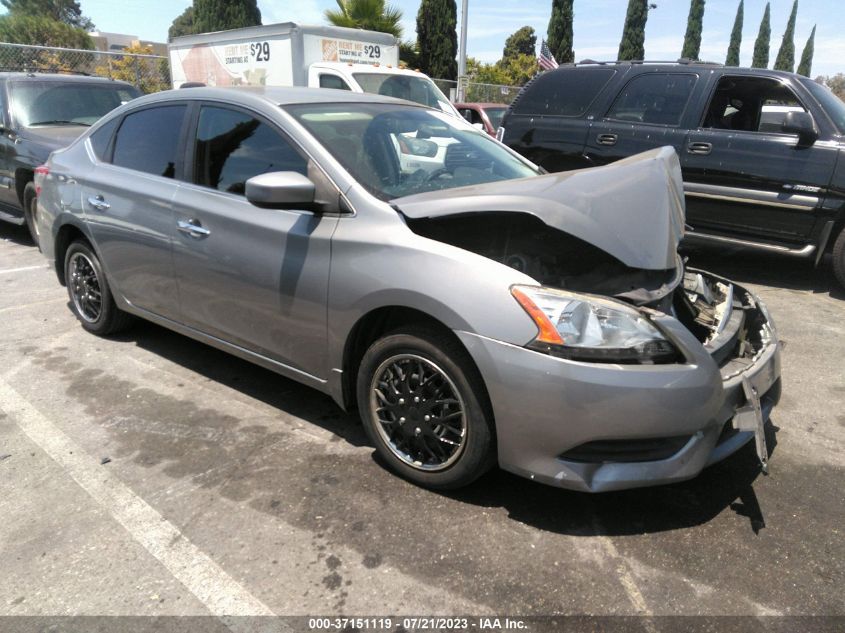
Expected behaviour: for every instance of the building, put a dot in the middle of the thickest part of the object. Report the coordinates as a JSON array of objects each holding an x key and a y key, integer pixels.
[{"x": 116, "y": 42}]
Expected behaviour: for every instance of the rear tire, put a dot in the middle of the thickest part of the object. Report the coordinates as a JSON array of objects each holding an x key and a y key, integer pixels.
[
  {"x": 30, "y": 212},
  {"x": 90, "y": 297},
  {"x": 839, "y": 258},
  {"x": 425, "y": 409}
]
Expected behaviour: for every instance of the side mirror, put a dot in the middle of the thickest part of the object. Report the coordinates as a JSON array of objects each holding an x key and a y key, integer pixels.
[
  {"x": 800, "y": 123},
  {"x": 281, "y": 190}
]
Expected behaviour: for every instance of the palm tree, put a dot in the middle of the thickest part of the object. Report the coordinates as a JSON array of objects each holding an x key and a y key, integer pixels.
[{"x": 372, "y": 15}]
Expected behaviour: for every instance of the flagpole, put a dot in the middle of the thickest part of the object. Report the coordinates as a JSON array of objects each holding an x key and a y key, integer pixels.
[{"x": 462, "y": 54}]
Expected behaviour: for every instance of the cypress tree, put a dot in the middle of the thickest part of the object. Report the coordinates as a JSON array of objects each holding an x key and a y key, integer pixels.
[
  {"x": 786, "y": 54},
  {"x": 220, "y": 15},
  {"x": 560, "y": 31},
  {"x": 761, "y": 45},
  {"x": 692, "y": 39},
  {"x": 736, "y": 37},
  {"x": 632, "y": 45},
  {"x": 806, "y": 64},
  {"x": 437, "y": 38}
]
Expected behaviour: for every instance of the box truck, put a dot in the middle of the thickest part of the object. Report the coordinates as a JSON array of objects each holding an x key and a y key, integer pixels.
[{"x": 290, "y": 54}]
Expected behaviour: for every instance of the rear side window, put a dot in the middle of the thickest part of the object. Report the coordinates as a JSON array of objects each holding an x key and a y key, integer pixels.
[
  {"x": 658, "y": 98},
  {"x": 563, "y": 93},
  {"x": 334, "y": 82},
  {"x": 147, "y": 140},
  {"x": 101, "y": 138},
  {"x": 233, "y": 146}
]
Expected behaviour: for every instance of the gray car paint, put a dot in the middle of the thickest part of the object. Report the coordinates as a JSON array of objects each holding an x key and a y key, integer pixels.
[{"x": 309, "y": 297}]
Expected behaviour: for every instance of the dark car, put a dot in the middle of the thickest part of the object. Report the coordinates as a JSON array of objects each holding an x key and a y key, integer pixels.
[
  {"x": 487, "y": 115},
  {"x": 760, "y": 149},
  {"x": 40, "y": 113}
]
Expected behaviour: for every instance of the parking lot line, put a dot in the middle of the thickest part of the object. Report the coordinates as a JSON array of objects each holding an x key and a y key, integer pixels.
[
  {"x": 22, "y": 269},
  {"x": 220, "y": 593}
]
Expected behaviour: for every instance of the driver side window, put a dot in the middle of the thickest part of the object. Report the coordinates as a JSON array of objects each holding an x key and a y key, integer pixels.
[{"x": 751, "y": 104}]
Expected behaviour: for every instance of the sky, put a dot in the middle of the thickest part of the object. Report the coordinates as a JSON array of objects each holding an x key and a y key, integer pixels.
[{"x": 597, "y": 27}]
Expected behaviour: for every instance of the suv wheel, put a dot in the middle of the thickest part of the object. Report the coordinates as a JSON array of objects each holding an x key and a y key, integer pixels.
[
  {"x": 90, "y": 297},
  {"x": 839, "y": 258},
  {"x": 424, "y": 408},
  {"x": 30, "y": 211}
]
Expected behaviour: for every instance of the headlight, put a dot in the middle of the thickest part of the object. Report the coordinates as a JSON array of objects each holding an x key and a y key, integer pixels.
[{"x": 586, "y": 328}]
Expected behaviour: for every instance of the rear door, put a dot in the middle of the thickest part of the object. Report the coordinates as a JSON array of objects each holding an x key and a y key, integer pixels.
[
  {"x": 649, "y": 111},
  {"x": 127, "y": 200},
  {"x": 743, "y": 175},
  {"x": 251, "y": 276}
]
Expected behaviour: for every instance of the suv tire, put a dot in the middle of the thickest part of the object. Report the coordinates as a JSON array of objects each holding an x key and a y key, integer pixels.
[
  {"x": 839, "y": 258},
  {"x": 30, "y": 211}
]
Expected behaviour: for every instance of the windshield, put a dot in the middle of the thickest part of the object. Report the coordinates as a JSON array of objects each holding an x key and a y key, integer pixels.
[
  {"x": 37, "y": 103},
  {"x": 495, "y": 115},
  {"x": 421, "y": 90},
  {"x": 396, "y": 150},
  {"x": 830, "y": 103}
]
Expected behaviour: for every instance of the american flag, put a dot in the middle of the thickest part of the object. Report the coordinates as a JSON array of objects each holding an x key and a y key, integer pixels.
[{"x": 546, "y": 60}]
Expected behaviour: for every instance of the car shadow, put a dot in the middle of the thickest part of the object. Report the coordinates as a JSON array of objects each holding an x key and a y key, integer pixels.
[
  {"x": 744, "y": 266},
  {"x": 728, "y": 484},
  {"x": 15, "y": 234}
]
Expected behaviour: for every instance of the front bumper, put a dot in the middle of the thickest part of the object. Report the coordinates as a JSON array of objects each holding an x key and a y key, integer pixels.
[{"x": 545, "y": 407}]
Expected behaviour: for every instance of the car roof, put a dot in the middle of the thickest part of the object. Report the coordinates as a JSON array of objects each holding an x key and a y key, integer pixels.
[
  {"x": 58, "y": 77},
  {"x": 273, "y": 95},
  {"x": 651, "y": 66}
]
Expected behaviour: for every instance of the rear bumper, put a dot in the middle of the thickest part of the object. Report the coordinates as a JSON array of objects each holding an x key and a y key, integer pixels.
[{"x": 546, "y": 407}]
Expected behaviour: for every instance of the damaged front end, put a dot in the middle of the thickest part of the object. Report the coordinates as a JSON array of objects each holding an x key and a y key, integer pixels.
[{"x": 602, "y": 245}]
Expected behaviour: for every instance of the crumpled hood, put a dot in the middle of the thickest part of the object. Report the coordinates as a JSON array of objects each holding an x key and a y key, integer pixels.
[{"x": 632, "y": 209}]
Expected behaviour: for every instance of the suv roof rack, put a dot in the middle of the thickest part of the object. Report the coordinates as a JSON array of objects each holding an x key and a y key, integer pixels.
[{"x": 625, "y": 62}]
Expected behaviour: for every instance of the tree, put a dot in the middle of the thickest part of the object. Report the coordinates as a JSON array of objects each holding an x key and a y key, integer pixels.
[
  {"x": 632, "y": 45},
  {"x": 786, "y": 54},
  {"x": 736, "y": 37},
  {"x": 147, "y": 74},
  {"x": 64, "y": 11},
  {"x": 221, "y": 15},
  {"x": 761, "y": 44},
  {"x": 519, "y": 68},
  {"x": 836, "y": 84},
  {"x": 41, "y": 30},
  {"x": 692, "y": 39},
  {"x": 806, "y": 64},
  {"x": 560, "y": 31},
  {"x": 372, "y": 15},
  {"x": 523, "y": 42},
  {"x": 437, "y": 39},
  {"x": 183, "y": 24},
  {"x": 409, "y": 55}
]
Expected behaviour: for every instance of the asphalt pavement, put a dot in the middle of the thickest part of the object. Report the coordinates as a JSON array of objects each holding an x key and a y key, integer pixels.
[{"x": 148, "y": 474}]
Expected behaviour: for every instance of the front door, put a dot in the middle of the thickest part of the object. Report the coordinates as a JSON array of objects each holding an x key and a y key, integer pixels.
[
  {"x": 253, "y": 277},
  {"x": 744, "y": 176}
]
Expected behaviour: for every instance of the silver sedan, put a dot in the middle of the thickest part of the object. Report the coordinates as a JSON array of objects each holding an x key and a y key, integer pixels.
[{"x": 475, "y": 310}]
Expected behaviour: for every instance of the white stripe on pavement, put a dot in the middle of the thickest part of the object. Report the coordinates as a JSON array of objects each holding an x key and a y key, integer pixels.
[
  {"x": 219, "y": 592},
  {"x": 19, "y": 270}
]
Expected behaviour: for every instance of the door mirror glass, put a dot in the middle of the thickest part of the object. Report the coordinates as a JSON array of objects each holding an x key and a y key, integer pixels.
[
  {"x": 281, "y": 190},
  {"x": 800, "y": 123}
]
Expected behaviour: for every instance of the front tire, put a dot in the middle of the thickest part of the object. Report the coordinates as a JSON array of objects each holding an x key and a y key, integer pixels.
[
  {"x": 90, "y": 297},
  {"x": 425, "y": 409},
  {"x": 839, "y": 258},
  {"x": 30, "y": 212}
]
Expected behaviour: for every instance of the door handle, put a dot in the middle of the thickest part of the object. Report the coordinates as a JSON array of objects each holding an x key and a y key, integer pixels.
[
  {"x": 98, "y": 203},
  {"x": 193, "y": 228},
  {"x": 700, "y": 148},
  {"x": 607, "y": 139}
]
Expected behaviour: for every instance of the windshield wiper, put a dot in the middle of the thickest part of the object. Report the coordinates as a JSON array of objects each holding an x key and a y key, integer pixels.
[{"x": 58, "y": 122}]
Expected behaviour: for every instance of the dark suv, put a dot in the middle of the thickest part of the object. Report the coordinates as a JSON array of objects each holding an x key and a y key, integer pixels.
[
  {"x": 761, "y": 150},
  {"x": 40, "y": 113}
]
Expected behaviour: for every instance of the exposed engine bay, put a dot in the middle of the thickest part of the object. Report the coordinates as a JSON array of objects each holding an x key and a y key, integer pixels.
[{"x": 725, "y": 319}]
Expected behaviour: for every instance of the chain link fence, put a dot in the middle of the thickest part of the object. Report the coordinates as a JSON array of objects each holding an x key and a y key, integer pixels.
[
  {"x": 479, "y": 93},
  {"x": 148, "y": 73},
  {"x": 151, "y": 73}
]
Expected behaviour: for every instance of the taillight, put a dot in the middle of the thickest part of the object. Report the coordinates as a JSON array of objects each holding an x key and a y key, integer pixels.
[{"x": 41, "y": 172}]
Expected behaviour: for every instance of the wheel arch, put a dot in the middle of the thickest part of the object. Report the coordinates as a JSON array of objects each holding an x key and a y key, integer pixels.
[
  {"x": 23, "y": 176},
  {"x": 65, "y": 236}
]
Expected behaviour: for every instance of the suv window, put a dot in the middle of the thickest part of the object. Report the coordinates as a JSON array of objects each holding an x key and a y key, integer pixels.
[
  {"x": 148, "y": 139},
  {"x": 658, "y": 98},
  {"x": 750, "y": 104},
  {"x": 566, "y": 92},
  {"x": 232, "y": 147},
  {"x": 37, "y": 103},
  {"x": 471, "y": 115},
  {"x": 333, "y": 81}
]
